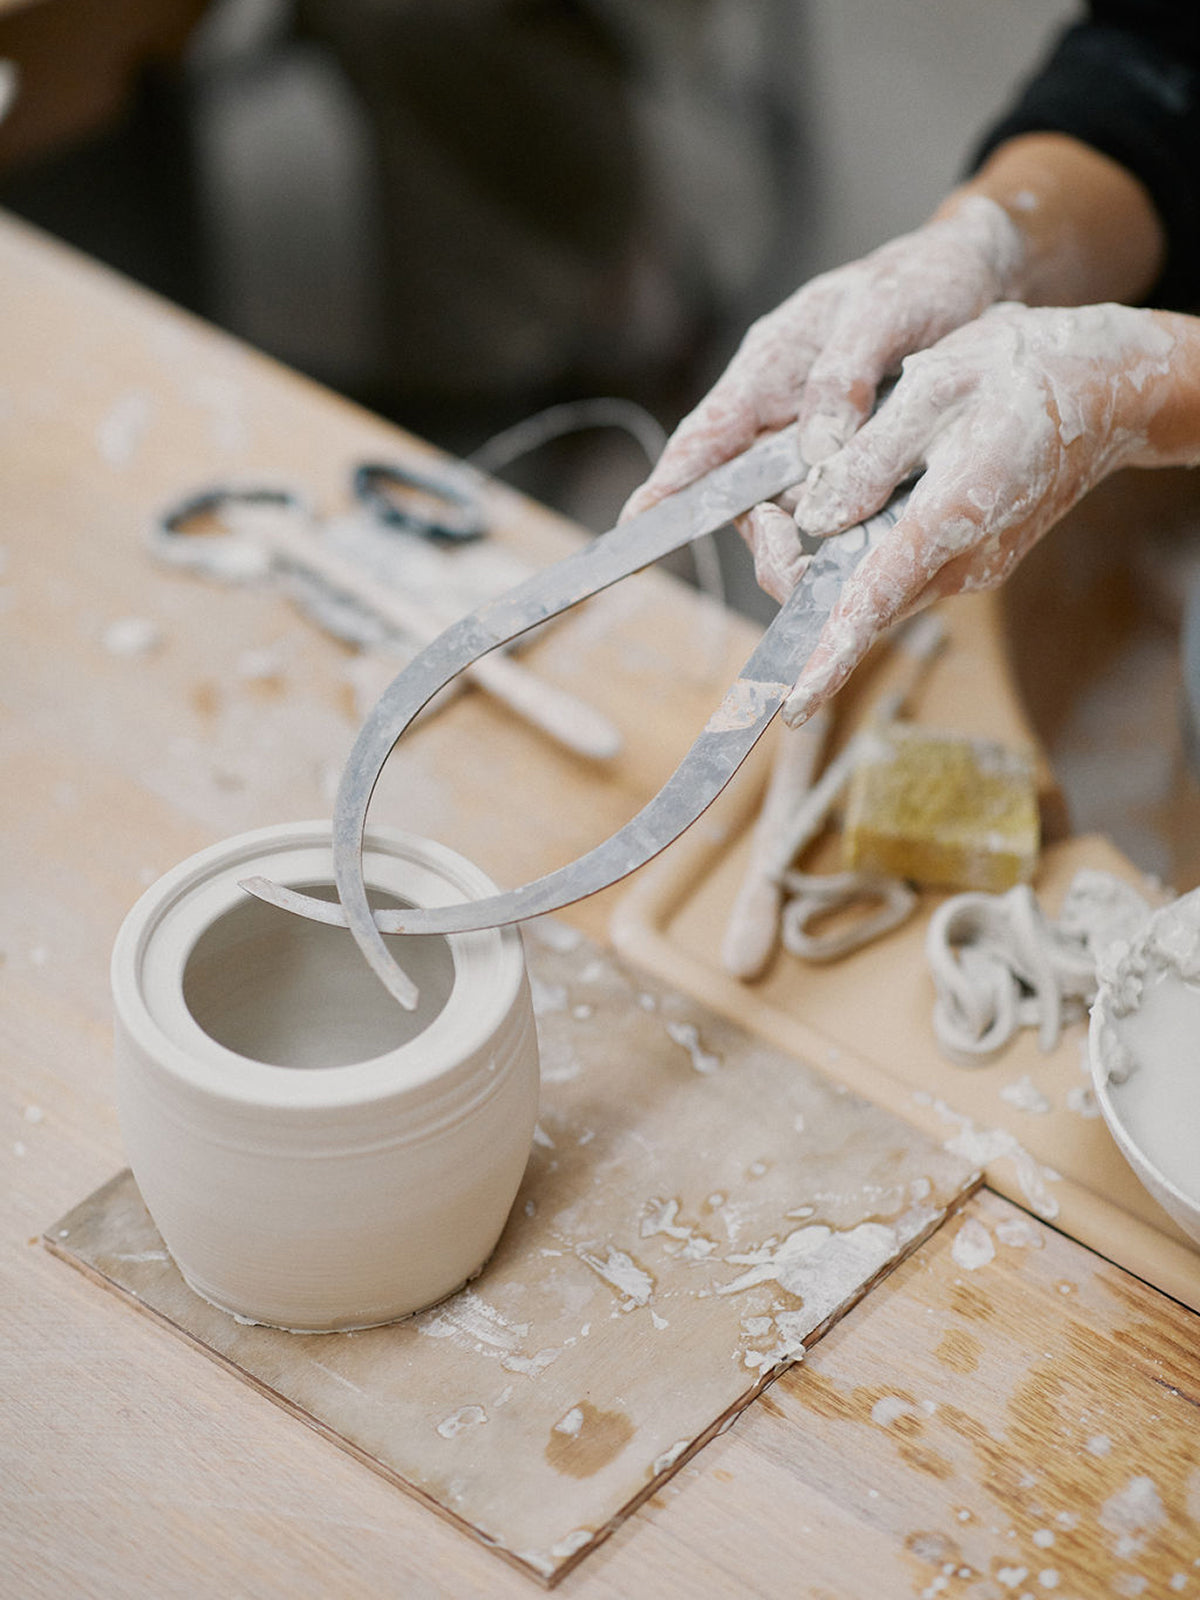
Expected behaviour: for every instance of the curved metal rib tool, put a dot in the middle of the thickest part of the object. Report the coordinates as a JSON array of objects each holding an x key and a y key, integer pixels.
[{"x": 744, "y": 714}]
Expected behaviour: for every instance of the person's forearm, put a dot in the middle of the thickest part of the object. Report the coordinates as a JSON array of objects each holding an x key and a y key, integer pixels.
[{"x": 1089, "y": 229}]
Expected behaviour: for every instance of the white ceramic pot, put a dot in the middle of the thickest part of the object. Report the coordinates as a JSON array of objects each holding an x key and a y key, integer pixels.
[
  {"x": 314, "y": 1156},
  {"x": 1144, "y": 1048}
]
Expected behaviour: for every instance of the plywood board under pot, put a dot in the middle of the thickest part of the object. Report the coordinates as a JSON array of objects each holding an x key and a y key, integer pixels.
[{"x": 699, "y": 1207}]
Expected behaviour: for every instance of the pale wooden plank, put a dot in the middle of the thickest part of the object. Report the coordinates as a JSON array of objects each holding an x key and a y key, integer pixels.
[
  {"x": 697, "y": 1209},
  {"x": 130, "y": 1467},
  {"x": 805, "y": 1496}
]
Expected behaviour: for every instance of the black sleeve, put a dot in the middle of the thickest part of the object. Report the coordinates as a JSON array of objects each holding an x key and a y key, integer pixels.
[{"x": 1127, "y": 82}]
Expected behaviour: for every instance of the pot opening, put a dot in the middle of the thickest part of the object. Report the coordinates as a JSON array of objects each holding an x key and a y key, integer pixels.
[{"x": 293, "y": 993}]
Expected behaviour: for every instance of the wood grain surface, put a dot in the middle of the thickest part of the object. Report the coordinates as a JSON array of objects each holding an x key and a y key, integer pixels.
[
  {"x": 1026, "y": 1114},
  {"x": 130, "y": 1467},
  {"x": 697, "y": 1210}
]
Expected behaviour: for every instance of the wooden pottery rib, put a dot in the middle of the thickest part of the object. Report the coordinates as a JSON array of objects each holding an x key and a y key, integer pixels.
[{"x": 698, "y": 1209}]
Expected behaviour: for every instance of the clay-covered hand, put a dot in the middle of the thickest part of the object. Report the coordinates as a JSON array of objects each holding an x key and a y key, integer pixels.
[
  {"x": 1012, "y": 419},
  {"x": 818, "y": 359}
]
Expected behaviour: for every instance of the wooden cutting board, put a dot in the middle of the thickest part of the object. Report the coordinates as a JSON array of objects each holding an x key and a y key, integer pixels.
[{"x": 698, "y": 1208}]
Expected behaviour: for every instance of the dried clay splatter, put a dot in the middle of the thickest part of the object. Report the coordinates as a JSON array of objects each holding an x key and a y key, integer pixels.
[
  {"x": 982, "y": 1146},
  {"x": 464, "y": 1417},
  {"x": 132, "y": 636},
  {"x": 623, "y": 1274},
  {"x": 687, "y": 1035},
  {"x": 123, "y": 427},
  {"x": 972, "y": 1247},
  {"x": 1026, "y": 1096},
  {"x": 1133, "y": 1514}
]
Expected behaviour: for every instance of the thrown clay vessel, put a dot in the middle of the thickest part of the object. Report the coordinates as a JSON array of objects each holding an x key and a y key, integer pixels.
[
  {"x": 1144, "y": 1050},
  {"x": 315, "y": 1157}
]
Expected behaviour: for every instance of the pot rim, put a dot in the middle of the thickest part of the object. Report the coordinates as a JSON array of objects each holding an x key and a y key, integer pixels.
[
  {"x": 1165, "y": 1190},
  {"x": 162, "y": 928}
]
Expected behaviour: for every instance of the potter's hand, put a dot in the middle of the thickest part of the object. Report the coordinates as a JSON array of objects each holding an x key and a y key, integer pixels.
[
  {"x": 818, "y": 359},
  {"x": 1013, "y": 419}
]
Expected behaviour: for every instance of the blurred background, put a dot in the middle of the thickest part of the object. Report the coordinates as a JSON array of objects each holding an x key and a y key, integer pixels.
[{"x": 460, "y": 211}]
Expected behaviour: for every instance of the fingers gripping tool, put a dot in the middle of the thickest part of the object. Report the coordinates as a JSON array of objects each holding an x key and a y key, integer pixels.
[{"x": 769, "y": 467}]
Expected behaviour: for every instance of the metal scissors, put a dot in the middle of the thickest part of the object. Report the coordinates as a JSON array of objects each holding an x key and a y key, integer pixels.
[{"x": 762, "y": 472}]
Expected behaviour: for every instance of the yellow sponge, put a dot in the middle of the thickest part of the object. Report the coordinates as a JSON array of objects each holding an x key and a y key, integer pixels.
[{"x": 942, "y": 809}]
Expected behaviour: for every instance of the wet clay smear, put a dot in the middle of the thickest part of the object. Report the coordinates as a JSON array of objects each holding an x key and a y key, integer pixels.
[{"x": 697, "y": 1209}]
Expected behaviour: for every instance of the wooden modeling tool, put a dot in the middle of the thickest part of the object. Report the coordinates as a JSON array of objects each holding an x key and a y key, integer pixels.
[
  {"x": 792, "y": 817},
  {"x": 277, "y": 526},
  {"x": 752, "y": 931}
]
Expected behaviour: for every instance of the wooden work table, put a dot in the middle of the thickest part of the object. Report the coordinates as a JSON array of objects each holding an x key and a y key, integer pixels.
[{"x": 1029, "y": 1426}]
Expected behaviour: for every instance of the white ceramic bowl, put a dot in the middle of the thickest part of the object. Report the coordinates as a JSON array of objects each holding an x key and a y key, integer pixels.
[
  {"x": 1144, "y": 1052},
  {"x": 315, "y": 1157}
]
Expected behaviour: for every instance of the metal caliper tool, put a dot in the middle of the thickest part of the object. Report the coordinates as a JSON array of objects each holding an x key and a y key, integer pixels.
[{"x": 765, "y": 470}]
